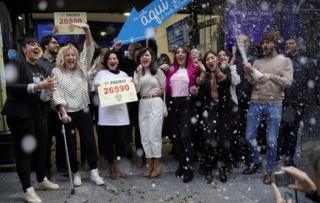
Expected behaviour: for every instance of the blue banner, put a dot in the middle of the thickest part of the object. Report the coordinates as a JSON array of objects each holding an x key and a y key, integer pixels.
[{"x": 150, "y": 17}]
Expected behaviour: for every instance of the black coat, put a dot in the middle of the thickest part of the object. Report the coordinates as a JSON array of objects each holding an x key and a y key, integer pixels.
[
  {"x": 305, "y": 84},
  {"x": 20, "y": 103}
]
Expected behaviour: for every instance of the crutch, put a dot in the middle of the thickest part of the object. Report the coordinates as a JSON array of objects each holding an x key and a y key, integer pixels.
[{"x": 67, "y": 155}]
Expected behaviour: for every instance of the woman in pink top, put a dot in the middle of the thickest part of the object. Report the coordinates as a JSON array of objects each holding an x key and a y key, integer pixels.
[{"x": 180, "y": 83}]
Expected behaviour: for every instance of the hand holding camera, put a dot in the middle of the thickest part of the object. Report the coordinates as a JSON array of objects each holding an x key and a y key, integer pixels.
[{"x": 304, "y": 182}]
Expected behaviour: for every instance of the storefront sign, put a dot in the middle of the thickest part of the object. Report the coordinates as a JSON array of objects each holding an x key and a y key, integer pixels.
[
  {"x": 64, "y": 20},
  {"x": 117, "y": 91}
]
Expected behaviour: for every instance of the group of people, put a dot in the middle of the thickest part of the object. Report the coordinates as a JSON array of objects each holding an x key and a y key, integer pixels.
[{"x": 210, "y": 107}]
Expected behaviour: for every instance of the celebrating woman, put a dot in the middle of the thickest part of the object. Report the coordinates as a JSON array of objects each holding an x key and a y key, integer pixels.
[
  {"x": 216, "y": 103},
  {"x": 25, "y": 109},
  {"x": 150, "y": 82},
  {"x": 180, "y": 83},
  {"x": 113, "y": 120},
  {"x": 72, "y": 100}
]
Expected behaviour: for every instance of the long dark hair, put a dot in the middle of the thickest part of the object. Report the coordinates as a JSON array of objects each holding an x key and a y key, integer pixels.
[
  {"x": 106, "y": 57},
  {"x": 204, "y": 59},
  {"x": 154, "y": 65}
]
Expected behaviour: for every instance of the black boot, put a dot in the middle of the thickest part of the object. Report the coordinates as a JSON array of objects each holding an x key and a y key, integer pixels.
[
  {"x": 188, "y": 176},
  {"x": 180, "y": 171},
  {"x": 223, "y": 174},
  {"x": 202, "y": 169},
  {"x": 208, "y": 176}
]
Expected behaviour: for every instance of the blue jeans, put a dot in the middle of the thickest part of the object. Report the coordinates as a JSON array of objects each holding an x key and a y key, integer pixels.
[{"x": 271, "y": 113}]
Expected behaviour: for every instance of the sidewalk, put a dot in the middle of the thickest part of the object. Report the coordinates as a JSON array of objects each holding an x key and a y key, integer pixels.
[{"x": 136, "y": 188}]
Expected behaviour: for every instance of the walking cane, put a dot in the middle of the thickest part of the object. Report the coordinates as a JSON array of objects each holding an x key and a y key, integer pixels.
[{"x": 67, "y": 155}]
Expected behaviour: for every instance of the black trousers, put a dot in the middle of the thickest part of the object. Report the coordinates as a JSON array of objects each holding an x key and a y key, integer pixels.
[
  {"x": 291, "y": 118},
  {"x": 116, "y": 138},
  {"x": 180, "y": 112},
  {"x": 133, "y": 108},
  {"x": 82, "y": 121},
  {"x": 54, "y": 129},
  {"x": 26, "y": 160},
  {"x": 217, "y": 132}
]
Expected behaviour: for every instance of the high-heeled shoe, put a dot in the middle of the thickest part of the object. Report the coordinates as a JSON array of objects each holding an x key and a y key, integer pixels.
[
  {"x": 156, "y": 168},
  {"x": 150, "y": 167}
]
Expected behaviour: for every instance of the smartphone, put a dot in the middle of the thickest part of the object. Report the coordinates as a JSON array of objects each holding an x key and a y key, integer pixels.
[{"x": 282, "y": 179}]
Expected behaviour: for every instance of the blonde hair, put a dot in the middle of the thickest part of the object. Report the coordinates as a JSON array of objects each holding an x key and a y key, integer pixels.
[{"x": 61, "y": 54}]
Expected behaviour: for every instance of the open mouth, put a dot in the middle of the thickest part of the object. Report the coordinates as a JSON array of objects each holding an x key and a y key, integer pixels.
[
  {"x": 113, "y": 65},
  {"x": 36, "y": 51},
  {"x": 145, "y": 62},
  {"x": 71, "y": 62}
]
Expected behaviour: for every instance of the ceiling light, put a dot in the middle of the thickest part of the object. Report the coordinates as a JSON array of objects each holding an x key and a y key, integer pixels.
[
  {"x": 126, "y": 14},
  {"x": 103, "y": 33}
]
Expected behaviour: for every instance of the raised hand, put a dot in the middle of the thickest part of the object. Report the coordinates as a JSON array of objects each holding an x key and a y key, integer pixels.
[
  {"x": 48, "y": 83},
  {"x": 201, "y": 66},
  {"x": 194, "y": 90},
  {"x": 165, "y": 67},
  {"x": 139, "y": 69},
  {"x": 248, "y": 68},
  {"x": 83, "y": 26}
]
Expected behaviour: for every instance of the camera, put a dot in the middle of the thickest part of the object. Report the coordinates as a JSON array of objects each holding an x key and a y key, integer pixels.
[{"x": 282, "y": 179}]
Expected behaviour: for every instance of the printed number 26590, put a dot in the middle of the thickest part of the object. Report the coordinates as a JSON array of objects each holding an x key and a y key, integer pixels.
[{"x": 116, "y": 89}]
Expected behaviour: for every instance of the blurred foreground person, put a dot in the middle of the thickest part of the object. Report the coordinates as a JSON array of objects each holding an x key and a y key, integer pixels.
[
  {"x": 28, "y": 94},
  {"x": 308, "y": 185}
]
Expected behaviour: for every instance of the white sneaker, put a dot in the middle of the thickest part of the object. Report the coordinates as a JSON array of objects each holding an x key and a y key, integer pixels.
[
  {"x": 77, "y": 179},
  {"x": 95, "y": 177},
  {"x": 46, "y": 185},
  {"x": 31, "y": 196}
]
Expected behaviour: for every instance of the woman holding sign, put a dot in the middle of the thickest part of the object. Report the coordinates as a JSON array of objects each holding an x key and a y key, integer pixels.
[
  {"x": 150, "y": 82},
  {"x": 114, "y": 120},
  {"x": 72, "y": 99}
]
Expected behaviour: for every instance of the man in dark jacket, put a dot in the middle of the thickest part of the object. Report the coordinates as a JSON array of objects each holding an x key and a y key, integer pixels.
[{"x": 301, "y": 95}]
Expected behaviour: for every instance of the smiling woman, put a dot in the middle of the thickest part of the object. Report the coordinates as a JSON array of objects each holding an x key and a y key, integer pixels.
[
  {"x": 28, "y": 95},
  {"x": 72, "y": 99}
]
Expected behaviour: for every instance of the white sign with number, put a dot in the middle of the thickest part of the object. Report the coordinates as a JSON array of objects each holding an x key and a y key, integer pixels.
[
  {"x": 64, "y": 19},
  {"x": 117, "y": 91}
]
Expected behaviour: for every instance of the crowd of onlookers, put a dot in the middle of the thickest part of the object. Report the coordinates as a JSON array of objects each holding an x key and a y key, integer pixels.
[{"x": 211, "y": 105}]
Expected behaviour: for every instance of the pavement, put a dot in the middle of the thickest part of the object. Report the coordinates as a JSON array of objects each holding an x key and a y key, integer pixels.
[{"x": 138, "y": 189}]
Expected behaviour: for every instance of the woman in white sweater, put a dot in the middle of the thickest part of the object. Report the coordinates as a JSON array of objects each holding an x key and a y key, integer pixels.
[
  {"x": 72, "y": 99},
  {"x": 150, "y": 82}
]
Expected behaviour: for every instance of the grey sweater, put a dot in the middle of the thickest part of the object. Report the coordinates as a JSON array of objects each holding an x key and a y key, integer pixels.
[{"x": 280, "y": 70}]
